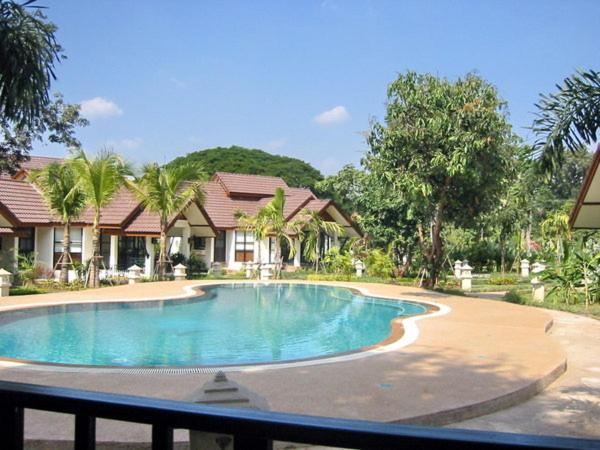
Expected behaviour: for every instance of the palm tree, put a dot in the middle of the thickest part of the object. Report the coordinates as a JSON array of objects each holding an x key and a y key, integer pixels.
[
  {"x": 313, "y": 228},
  {"x": 99, "y": 179},
  {"x": 567, "y": 119},
  {"x": 165, "y": 191},
  {"x": 278, "y": 227},
  {"x": 271, "y": 221},
  {"x": 556, "y": 230},
  {"x": 58, "y": 184},
  {"x": 257, "y": 225}
]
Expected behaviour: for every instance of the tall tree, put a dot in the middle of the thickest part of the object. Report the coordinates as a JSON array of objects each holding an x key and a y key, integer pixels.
[
  {"x": 444, "y": 150},
  {"x": 99, "y": 179},
  {"x": 58, "y": 123},
  {"x": 567, "y": 119},
  {"x": 313, "y": 227},
  {"x": 166, "y": 191},
  {"x": 58, "y": 185},
  {"x": 28, "y": 55}
]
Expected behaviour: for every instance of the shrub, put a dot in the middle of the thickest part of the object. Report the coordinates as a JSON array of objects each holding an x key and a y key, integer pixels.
[
  {"x": 26, "y": 291},
  {"x": 329, "y": 277},
  {"x": 513, "y": 296},
  {"x": 337, "y": 262},
  {"x": 380, "y": 264},
  {"x": 503, "y": 280}
]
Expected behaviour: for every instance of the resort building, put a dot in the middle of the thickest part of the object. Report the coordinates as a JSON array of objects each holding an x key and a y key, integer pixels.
[{"x": 129, "y": 233}]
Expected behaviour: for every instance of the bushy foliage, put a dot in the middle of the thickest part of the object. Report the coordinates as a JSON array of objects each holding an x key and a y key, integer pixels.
[
  {"x": 338, "y": 262},
  {"x": 380, "y": 264},
  {"x": 295, "y": 172}
]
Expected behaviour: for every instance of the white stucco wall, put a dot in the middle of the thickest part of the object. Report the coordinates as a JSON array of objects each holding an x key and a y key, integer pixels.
[{"x": 44, "y": 246}]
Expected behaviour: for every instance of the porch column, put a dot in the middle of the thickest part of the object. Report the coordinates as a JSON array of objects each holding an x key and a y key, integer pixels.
[
  {"x": 298, "y": 255},
  {"x": 149, "y": 260},
  {"x": 16, "y": 255},
  {"x": 113, "y": 259},
  {"x": 184, "y": 247}
]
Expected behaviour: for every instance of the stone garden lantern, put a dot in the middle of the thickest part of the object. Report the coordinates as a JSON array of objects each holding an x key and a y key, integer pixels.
[
  {"x": 466, "y": 276},
  {"x": 360, "y": 267},
  {"x": 525, "y": 268},
  {"x": 134, "y": 273},
  {"x": 457, "y": 268},
  {"x": 538, "y": 289},
  {"x": 180, "y": 272},
  {"x": 4, "y": 282},
  {"x": 223, "y": 392}
]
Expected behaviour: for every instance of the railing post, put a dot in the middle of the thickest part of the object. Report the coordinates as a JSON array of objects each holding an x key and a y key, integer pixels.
[
  {"x": 11, "y": 427},
  {"x": 85, "y": 432},
  {"x": 162, "y": 437},
  {"x": 246, "y": 443}
]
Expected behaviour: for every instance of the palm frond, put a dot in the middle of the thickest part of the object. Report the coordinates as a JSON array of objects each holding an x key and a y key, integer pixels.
[{"x": 567, "y": 119}]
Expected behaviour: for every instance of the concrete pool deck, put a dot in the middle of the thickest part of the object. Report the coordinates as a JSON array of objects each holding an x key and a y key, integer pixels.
[{"x": 481, "y": 357}]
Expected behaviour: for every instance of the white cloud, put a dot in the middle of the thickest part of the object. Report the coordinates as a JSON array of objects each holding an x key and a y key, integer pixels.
[
  {"x": 276, "y": 144},
  {"x": 125, "y": 144},
  {"x": 99, "y": 107},
  {"x": 334, "y": 115},
  {"x": 177, "y": 82}
]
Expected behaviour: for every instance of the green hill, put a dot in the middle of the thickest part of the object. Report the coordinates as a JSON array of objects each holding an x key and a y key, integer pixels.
[{"x": 295, "y": 172}]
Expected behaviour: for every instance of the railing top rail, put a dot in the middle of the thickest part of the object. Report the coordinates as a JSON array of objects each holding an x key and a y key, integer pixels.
[{"x": 268, "y": 424}]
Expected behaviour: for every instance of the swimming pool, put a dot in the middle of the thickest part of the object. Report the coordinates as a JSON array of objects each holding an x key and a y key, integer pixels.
[{"x": 231, "y": 324}]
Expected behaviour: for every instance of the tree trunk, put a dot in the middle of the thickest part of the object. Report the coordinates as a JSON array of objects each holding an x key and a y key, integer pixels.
[
  {"x": 278, "y": 261},
  {"x": 502, "y": 256},
  {"x": 433, "y": 252},
  {"x": 94, "y": 271},
  {"x": 162, "y": 253},
  {"x": 66, "y": 255},
  {"x": 317, "y": 252}
]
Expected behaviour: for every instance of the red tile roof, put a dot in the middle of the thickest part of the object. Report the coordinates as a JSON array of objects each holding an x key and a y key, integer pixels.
[
  {"x": 5, "y": 231},
  {"x": 122, "y": 208},
  {"x": 225, "y": 195},
  {"x": 38, "y": 162},
  {"x": 24, "y": 203},
  {"x": 250, "y": 185}
]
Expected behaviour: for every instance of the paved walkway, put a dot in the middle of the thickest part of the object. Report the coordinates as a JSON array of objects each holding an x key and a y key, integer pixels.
[
  {"x": 571, "y": 405},
  {"x": 482, "y": 356}
]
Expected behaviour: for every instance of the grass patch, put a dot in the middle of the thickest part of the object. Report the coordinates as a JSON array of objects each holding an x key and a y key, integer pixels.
[{"x": 26, "y": 291}]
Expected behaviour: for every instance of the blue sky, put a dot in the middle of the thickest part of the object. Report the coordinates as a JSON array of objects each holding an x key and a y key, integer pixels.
[{"x": 301, "y": 78}]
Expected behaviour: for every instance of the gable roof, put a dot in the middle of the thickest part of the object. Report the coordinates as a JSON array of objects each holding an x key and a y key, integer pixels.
[
  {"x": 586, "y": 213},
  {"x": 34, "y": 162},
  {"x": 23, "y": 205},
  {"x": 236, "y": 184}
]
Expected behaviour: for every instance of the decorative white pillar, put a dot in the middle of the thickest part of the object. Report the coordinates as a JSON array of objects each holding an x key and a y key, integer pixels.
[
  {"x": 113, "y": 259},
  {"x": 4, "y": 282},
  {"x": 298, "y": 254},
  {"x": 16, "y": 255},
  {"x": 466, "y": 277},
  {"x": 525, "y": 268},
  {"x": 185, "y": 246},
  {"x": 149, "y": 260},
  {"x": 457, "y": 266}
]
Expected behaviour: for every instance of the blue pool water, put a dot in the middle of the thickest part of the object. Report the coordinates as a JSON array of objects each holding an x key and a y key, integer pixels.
[{"x": 230, "y": 324}]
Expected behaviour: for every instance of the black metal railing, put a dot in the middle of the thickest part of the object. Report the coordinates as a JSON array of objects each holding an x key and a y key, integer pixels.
[{"x": 251, "y": 429}]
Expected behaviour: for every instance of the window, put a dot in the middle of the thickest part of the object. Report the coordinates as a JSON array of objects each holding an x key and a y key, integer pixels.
[
  {"x": 27, "y": 241},
  {"x": 220, "y": 246},
  {"x": 198, "y": 243},
  {"x": 244, "y": 246},
  {"x": 76, "y": 244},
  {"x": 105, "y": 247}
]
